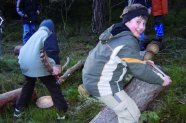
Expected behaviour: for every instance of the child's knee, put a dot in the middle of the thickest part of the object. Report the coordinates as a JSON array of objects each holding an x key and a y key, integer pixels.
[{"x": 127, "y": 111}]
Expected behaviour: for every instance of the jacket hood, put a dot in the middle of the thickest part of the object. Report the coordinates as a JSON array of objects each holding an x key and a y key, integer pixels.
[
  {"x": 115, "y": 31},
  {"x": 48, "y": 23}
]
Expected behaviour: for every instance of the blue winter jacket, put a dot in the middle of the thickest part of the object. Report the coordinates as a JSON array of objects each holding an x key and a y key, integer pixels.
[
  {"x": 51, "y": 47},
  {"x": 30, "y": 8}
]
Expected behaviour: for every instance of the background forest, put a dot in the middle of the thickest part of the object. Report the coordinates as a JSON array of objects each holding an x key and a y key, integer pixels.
[{"x": 77, "y": 34}]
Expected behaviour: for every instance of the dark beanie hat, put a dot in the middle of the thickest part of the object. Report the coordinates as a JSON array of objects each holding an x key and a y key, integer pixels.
[
  {"x": 133, "y": 11},
  {"x": 48, "y": 23}
]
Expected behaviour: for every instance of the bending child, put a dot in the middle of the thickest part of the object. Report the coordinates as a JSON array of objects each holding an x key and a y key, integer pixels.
[
  {"x": 117, "y": 53},
  {"x": 33, "y": 68}
]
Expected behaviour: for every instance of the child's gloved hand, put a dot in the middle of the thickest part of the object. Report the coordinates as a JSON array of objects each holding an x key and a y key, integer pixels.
[
  {"x": 167, "y": 81},
  {"x": 56, "y": 70}
]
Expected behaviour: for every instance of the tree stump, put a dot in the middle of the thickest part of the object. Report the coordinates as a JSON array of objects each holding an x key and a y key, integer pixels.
[{"x": 141, "y": 92}]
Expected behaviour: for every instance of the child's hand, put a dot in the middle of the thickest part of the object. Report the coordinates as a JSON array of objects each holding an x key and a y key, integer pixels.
[
  {"x": 149, "y": 62},
  {"x": 56, "y": 70},
  {"x": 167, "y": 81}
]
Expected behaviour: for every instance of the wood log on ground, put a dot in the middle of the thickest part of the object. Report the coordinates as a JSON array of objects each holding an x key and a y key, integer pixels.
[
  {"x": 10, "y": 97},
  {"x": 141, "y": 92}
]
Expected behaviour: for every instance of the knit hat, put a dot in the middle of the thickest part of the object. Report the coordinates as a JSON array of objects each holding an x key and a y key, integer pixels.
[
  {"x": 133, "y": 11},
  {"x": 48, "y": 23}
]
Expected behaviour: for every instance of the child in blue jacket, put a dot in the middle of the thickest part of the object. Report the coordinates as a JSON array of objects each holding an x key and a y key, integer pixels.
[{"x": 28, "y": 10}]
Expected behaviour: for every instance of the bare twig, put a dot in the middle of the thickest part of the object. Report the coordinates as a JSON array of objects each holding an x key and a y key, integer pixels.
[{"x": 66, "y": 63}]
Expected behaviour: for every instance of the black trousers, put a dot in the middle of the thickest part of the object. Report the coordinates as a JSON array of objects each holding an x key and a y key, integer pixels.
[
  {"x": 54, "y": 89},
  {"x": 158, "y": 19}
]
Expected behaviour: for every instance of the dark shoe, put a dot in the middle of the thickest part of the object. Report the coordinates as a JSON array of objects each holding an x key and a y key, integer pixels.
[
  {"x": 18, "y": 113},
  {"x": 158, "y": 39},
  {"x": 61, "y": 117}
]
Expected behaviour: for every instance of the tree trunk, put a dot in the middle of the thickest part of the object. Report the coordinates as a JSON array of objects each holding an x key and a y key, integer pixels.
[
  {"x": 141, "y": 92},
  {"x": 1, "y": 49},
  {"x": 10, "y": 97},
  {"x": 1, "y": 31},
  {"x": 98, "y": 16}
]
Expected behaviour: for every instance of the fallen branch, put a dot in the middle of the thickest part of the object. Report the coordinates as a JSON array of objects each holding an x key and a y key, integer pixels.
[
  {"x": 69, "y": 71},
  {"x": 66, "y": 63}
]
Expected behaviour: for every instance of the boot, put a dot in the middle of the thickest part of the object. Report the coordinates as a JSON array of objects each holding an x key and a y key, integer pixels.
[
  {"x": 18, "y": 113},
  {"x": 62, "y": 116}
]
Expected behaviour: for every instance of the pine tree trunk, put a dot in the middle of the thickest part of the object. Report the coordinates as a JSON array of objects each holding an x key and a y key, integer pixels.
[
  {"x": 98, "y": 16},
  {"x": 1, "y": 49},
  {"x": 1, "y": 29}
]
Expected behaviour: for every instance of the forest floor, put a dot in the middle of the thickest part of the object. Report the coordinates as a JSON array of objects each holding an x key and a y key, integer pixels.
[{"x": 169, "y": 107}]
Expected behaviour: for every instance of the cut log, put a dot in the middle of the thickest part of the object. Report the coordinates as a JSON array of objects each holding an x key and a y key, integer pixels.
[
  {"x": 10, "y": 97},
  {"x": 141, "y": 92}
]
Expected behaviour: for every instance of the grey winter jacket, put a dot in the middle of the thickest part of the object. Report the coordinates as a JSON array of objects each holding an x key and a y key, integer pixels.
[
  {"x": 107, "y": 64},
  {"x": 29, "y": 56}
]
